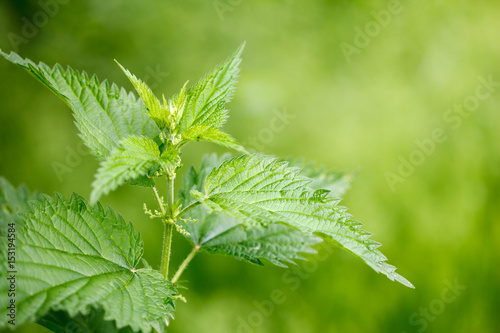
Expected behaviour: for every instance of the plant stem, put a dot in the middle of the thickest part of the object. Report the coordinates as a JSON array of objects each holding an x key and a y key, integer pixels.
[
  {"x": 159, "y": 201},
  {"x": 167, "y": 243},
  {"x": 168, "y": 224},
  {"x": 185, "y": 263},
  {"x": 170, "y": 196}
]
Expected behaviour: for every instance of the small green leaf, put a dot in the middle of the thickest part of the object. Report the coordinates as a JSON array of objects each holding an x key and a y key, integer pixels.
[
  {"x": 258, "y": 190},
  {"x": 104, "y": 113},
  {"x": 205, "y": 110},
  {"x": 135, "y": 158},
  {"x": 215, "y": 135}
]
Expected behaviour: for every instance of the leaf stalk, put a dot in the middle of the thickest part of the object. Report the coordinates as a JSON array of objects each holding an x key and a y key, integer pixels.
[
  {"x": 187, "y": 208},
  {"x": 185, "y": 264}
]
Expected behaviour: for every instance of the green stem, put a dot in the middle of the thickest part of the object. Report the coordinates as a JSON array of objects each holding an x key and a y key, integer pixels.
[
  {"x": 185, "y": 263},
  {"x": 170, "y": 196},
  {"x": 168, "y": 224},
  {"x": 167, "y": 243},
  {"x": 159, "y": 201},
  {"x": 187, "y": 208}
]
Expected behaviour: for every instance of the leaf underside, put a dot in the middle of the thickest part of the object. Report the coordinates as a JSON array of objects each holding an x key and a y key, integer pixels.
[
  {"x": 73, "y": 257},
  {"x": 258, "y": 190},
  {"x": 220, "y": 234},
  {"x": 93, "y": 322}
]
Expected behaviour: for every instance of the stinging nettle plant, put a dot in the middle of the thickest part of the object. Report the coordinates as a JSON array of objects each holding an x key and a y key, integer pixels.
[{"x": 79, "y": 265}]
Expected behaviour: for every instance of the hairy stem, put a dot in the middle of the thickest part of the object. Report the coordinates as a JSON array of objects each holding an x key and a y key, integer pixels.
[
  {"x": 167, "y": 243},
  {"x": 159, "y": 201},
  {"x": 168, "y": 224},
  {"x": 170, "y": 196},
  {"x": 185, "y": 263}
]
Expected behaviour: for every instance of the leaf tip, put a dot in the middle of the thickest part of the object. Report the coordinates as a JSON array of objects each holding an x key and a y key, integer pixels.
[
  {"x": 120, "y": 65},
  {"x": 403, "y": 281},
  {"x": 241, "y": 48}
]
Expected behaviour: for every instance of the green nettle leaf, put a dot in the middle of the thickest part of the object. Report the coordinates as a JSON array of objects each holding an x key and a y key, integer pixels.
[
  {"x": 258, "y": 190},
  {"x": 76, "y": 258},
  {"x": 337, "y": 182},
  {"x": 205, "y": 102},
  {"x": 104, "y": 113},
  {"x": 212, "y": 134},
  {"x": 136, "y": 157},
  {"x": 220, "y": 234}
]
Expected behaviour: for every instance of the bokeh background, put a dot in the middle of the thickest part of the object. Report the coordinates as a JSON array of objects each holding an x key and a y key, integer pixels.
[{"x": 355, "y": 101}]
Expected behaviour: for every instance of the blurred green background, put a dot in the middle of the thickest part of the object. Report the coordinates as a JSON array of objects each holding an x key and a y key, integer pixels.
[{"x": 356, "y": 100}]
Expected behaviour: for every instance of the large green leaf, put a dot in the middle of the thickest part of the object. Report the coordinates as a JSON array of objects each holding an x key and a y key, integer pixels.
[
  {"x": 136, "y": 157},
  {"x": 73, "y": 257},
  {"x": 217, "y": 233},
  {"x": 104, "y": 113},
  {"x": 258, "y": 190}
]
